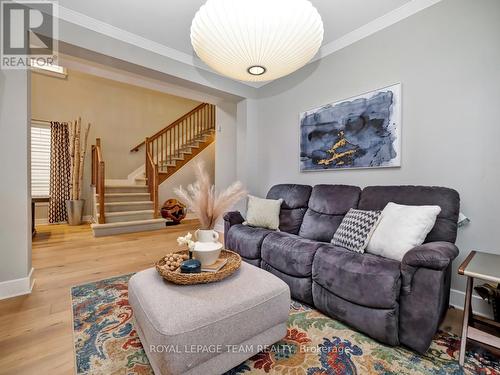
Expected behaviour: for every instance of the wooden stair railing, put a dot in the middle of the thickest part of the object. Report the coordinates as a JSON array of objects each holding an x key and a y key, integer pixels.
[
  {"x": 98, "y": 175},
  {"x": 152, "y": 178},
  {"x": 188, "y": 116},
  {"x": 165, "y": 149}
]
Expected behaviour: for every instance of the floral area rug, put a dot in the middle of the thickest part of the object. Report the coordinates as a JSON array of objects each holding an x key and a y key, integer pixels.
[{"x": 107, "y": 343}]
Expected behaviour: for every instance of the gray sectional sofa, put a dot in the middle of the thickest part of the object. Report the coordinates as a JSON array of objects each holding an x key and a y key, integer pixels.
[{"x": 391, "y": 301}]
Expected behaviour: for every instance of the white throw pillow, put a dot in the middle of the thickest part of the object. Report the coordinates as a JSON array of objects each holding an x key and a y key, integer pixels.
[
  {"x": 263, "y": 213},
  {"x": 401, "y": 228}
]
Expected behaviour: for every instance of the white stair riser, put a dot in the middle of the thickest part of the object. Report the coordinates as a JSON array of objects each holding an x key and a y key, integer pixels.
[
  {"x": 141, "y": 197},
  {"x": 168, "y": 164},
  {"x": 100, "y": 232},
  {"x": 124, "y": 218},
  {"x": 128, "y": 207},
  {"x": 126, "y": 189}
]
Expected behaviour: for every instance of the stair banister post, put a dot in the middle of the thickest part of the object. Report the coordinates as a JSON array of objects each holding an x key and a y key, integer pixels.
[
  {"x": 101, "y": 192},
  {"x": 155, "y": 192},
  {"x": 146, "y": 148},
  {"x": 92, "y": 182}
]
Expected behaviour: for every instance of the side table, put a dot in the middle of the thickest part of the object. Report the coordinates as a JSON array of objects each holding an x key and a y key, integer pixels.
[{"x": 486, "y": 267}]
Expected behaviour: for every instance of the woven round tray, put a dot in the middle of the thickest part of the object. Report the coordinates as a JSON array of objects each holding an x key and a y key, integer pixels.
[{"x": 176, "y": 277}]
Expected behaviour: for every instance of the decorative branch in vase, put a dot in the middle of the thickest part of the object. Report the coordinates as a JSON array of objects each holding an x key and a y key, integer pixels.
[
  {"x": 77, "y": 153},
  {"x": 202, "y": 198}
]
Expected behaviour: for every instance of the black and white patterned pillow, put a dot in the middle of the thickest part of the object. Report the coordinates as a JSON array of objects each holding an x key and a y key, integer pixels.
[{"x": 356, "y": 229}]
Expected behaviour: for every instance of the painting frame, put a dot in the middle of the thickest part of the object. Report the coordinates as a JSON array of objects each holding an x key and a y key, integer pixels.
[{"x": 396, "y": 116}]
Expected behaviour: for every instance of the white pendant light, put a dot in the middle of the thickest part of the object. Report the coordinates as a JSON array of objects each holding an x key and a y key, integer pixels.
[{"x": 256, "y": 40}]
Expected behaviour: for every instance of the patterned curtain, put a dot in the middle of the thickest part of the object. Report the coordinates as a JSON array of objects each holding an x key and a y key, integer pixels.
[{"x": 59, "y": 172}]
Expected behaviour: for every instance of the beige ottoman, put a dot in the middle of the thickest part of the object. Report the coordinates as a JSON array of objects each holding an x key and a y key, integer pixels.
[{"x": 211, "y": 328}]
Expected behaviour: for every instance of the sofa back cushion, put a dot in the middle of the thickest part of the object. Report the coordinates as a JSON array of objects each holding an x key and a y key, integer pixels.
[
  {"x": 294, "y": 206},
  {"x": 445, "y": 228},
  {"x": 327, "y": 207}
]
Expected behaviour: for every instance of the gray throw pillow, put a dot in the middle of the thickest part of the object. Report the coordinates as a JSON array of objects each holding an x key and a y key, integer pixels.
[{"x": 356, "y": 229}]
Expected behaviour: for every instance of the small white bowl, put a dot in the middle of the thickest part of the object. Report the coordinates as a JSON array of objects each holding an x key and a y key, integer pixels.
[{"x": 207, "y": 252}]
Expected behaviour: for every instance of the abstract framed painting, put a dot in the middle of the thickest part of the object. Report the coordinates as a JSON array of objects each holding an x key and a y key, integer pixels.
[{"x": 360, "y": 132}]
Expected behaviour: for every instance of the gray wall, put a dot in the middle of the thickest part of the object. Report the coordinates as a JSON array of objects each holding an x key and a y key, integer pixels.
[
  {"x": 447, "y": 58},
  {"x": 121, "y": 115},
  {"x": 186, "y": 176},
  {"x": 15, "y": 225},
  {"x": 225, "y": 148}
]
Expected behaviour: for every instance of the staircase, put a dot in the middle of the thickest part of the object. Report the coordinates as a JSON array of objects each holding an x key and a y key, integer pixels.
[
  {"x": 135, "y": 208},
  {"x": 167, "y": 168}
]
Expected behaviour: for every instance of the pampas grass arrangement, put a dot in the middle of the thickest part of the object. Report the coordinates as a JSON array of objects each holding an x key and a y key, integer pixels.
[{"x": 204, "y": 201}]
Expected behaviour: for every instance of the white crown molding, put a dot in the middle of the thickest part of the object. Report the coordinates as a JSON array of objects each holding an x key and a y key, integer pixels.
[
  {"x": 104, "y": 28},
  {"x": 374, "y": 26},
  {"x": 17, "y": 287},
  {"x": 352, "y": 37},
  {"x": 108, "y": 72},
  {"x": 114, "y": 32}
]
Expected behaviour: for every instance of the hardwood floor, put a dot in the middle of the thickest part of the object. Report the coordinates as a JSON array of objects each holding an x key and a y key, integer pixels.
[{"x": 36, "y": 335}]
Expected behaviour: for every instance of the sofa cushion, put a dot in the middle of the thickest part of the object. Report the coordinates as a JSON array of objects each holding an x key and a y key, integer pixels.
[
  {"x": 246, "y": 240},
  {"x": 289, "y": 253},
  {"x": 445, "y": 228},
  {"x": 253, "y": 262},
  {"x": 327, "y": 206},
  {"x": 294, "y": 206},
  {"x": 381, "y": 324},
  {"x": 364, "y": 279},
  {"x": 300, "y": 287}
]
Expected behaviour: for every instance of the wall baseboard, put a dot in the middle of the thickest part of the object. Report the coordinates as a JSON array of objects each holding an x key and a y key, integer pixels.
[
  {"x": 479, "y": 306},
  {"x": 17, "y": 287},
  {"x": 45, "y": 221},
  {"x": 191, "y": 216}
]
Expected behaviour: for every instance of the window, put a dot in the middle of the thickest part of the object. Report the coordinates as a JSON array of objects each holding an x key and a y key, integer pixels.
[{"x": 40, "y": 160}]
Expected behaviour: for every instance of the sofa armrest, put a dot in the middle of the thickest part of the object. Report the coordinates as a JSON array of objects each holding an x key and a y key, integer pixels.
[
  {"x": 233, "y": 218},
  {"x": 230, "y": 219},
  {"x": 433, "y": 255}
]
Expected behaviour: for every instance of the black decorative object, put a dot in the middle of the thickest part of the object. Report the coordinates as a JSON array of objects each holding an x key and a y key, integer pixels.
[{"x": 191, "y": 266}]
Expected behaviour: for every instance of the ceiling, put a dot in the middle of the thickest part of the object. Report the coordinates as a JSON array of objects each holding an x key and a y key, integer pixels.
[{"x": 168, "y": 22}]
